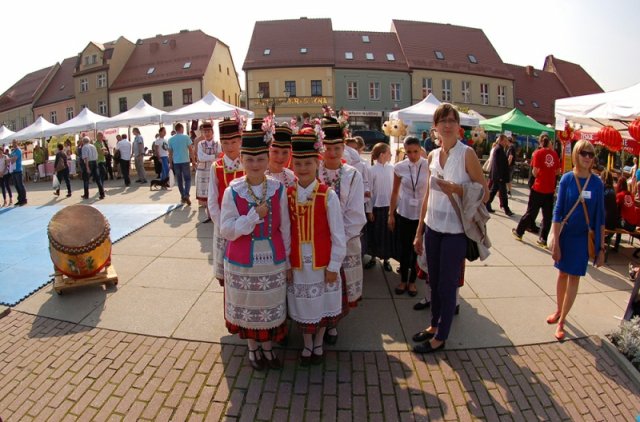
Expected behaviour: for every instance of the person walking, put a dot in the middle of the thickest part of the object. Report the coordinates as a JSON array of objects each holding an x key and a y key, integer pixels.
[
  {"x": 499, "y": 174},
  {"x": 138, "y": 155},
  {"x": 545, "y": 167},
  {"x": 5, "y": 177},
  {"x": 124, "y": 148},
  {"x": 16, "y": 173},
  {"x": 579, "y": 209},
  {"x": 90, "y": 160},
  {"x": 61, "y": 166},
  {"x": 511, "y": 161},
  {"x": 161, "y": 151},
  {"x": 179, "y": 160},
  {"x": 101, "y": 148}
]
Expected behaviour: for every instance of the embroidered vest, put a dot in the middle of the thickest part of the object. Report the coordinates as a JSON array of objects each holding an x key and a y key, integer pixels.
[
  {"x": 309, "y": 224},
  {"x": 224, "y": 177},
  {"x": 240, "y": 251}
]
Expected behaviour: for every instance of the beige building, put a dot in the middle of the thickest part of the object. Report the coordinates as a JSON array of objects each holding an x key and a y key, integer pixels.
[
  {"x": 57, "y": 103},
  {"x": 170, "y": 71},
  {"x": 97, "y": 67}
]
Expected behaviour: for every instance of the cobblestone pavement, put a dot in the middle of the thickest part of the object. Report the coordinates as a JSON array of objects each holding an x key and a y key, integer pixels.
[{"x": 53, "y": 370}]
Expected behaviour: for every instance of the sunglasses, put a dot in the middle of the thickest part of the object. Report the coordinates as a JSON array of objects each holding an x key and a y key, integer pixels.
[{"x": 587, "y": 154}]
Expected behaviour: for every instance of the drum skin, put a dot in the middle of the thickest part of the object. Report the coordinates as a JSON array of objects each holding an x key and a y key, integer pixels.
[{"x": 79, "y": 242}]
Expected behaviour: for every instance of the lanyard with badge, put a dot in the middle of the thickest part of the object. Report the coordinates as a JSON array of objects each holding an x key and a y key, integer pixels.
[{"x": 414, "y": 201}]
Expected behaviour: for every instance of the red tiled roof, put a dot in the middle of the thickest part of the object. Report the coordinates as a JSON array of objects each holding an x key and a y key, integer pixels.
[
  {"x": 572, "y": 76},
  {"x": 61, "y": 86},
  {"x": 379, "y": 44},
  {"x": 285, "y": 38},
  {"x": 24, "y": 91},
  {"x": 536, "y": 85},
  {"x": 420, "y": 41},
  {"x": 167, "y": 54}
]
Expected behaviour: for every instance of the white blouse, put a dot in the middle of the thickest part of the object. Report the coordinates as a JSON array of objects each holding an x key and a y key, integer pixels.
[
  {"x": 381, "y": 180},
  {"x": 212, "y": 199},
  {"x": 413, "y": 185},
  {"x": 351, "y": 196}
]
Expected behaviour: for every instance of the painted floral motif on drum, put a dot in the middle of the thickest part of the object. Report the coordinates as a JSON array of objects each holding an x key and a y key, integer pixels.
[{"x": 81, "y": 266}]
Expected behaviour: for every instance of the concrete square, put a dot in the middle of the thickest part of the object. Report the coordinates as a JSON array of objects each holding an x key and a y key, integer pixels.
[
  {"x": 523, "y": 254},
  {"x": 545, "y": 278},
  {"x": 491, "y": 282},
  {"x": 620, "y": 299},
  {"x": 141, "y": 245},
  {"x": 608, "y": 279},
  {"x": 374, "y": 284},
  {"x": 202, "y": 231},
  {"x": 597, "y": 313},
  {"x": 127, "y": 266},
  {"x": 175, "y": 274},
  {"x": 496, "y": 259},
  {"x": 189, "y": 247}
]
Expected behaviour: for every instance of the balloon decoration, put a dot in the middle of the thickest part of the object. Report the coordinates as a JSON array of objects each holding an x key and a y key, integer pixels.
[
  {"x": 634, "y": 129},
  {"x": 611, "y": 138},
  {"x": 566, "y": 135}
]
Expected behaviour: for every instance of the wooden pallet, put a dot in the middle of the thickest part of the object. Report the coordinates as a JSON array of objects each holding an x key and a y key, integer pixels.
[{"x": 107, "y": 276}]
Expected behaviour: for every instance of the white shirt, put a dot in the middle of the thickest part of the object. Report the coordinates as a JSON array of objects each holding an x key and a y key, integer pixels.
[
  {"x": 413, "y": 185},
  {"x": 138, "y": 145},
  {"x": 351, "y": 197},
  {"x": 212, "y": 199},
  {"x": 162, "y": 147},
  {"x": 124, "y": 146},
  {"x": 89, "y": 152},
  {"x": 381, "y": 180}
]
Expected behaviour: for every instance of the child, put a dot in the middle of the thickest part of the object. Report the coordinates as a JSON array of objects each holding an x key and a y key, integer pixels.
[
  {"x": 381, "y": 181},
  {"x": 222, "y": 172},
  {"x": 318, "y": 248},
  {"x": 254, "y": 217},
  {"x": 279, "y": 157}
]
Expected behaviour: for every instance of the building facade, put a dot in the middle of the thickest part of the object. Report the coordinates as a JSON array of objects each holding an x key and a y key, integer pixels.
[
  {"x": 57, "y": 103},
  {"x": 16, "y": 104}
]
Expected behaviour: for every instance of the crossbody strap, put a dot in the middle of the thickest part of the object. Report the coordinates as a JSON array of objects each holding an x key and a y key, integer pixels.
[{"x": 581, "y": 199}]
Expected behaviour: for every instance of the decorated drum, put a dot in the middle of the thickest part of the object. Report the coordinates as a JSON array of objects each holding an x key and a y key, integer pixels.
[{"x": 79, "y": 241}]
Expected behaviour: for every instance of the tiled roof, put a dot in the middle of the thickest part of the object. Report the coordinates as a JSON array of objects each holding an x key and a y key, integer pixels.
[
  {"x": 533, "y": 85},
  {"x": 368, "y": 50},
  {"x": 280, "y": 44},
  {"x": 24, "y": 91},
  {"x": 174, "y": 57},
  {"x": 61, "y": 86},
  {"x": 574, "y": 78},
  {"x": 421, "y": 42}
]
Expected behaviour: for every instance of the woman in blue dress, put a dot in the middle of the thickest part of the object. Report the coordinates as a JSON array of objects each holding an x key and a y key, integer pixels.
[{"x": 570, "y": 252}]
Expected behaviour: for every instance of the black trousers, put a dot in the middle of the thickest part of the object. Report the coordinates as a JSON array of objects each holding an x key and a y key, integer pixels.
[
  {"x": 499, "y": 186},
  {"x": 536, "y": 202},
  {"x": 93, "y": 169},
  {"x": 125, "y": 166},
  {"x": 406, "y": 230}
]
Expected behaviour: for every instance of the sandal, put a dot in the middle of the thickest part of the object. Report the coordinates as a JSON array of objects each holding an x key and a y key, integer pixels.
[
  {"x": 257, "y": 362},
  {"x": 559, "y": 334},
  {"x": 305, "y": 360},
  {"x": 317, "y": 358},
  {"x": 553, "y": 318},
  {"x": 274, "y": 362}
]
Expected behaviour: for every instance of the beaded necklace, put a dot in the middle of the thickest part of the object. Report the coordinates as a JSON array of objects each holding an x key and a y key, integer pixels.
[
  {"x": 261, "y": 201},
  {"x": 284, "y": 178},
  {"x": 335, "y": 183}
]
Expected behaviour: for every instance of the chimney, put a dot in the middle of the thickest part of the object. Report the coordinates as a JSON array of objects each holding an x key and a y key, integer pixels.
[
  {"x": 529, "y": 71},
  {"x": 172, "y": 44},
  {"x": 154, "y": 46}
]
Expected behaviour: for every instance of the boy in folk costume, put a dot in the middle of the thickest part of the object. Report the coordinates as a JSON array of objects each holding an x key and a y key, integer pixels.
[
  {"x": 347, "y": 182},
  {"x": 279, "y": 157},
  {"x": 318, "y": 248},
  {"x": 255, "y": 222},
  {"x": 222, "y": 172},
  {"x": 207, "y": 152}
]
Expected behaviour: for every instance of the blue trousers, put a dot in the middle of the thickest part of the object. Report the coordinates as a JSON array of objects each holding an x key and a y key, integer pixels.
[
  {"x": 165, "y": 168},
  {"x": 445, "y": 256},
  {"x": 183, "y": 178}
]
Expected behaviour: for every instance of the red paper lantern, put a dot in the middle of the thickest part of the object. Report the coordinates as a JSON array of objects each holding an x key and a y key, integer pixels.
[
  {"x": 611, "y": 138},
  {"x": 634, "y": 129}
]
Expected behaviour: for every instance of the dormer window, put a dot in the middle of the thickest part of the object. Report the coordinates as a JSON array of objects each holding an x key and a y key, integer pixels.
[
  {"x": 472, "y": 58},
  {"x": 439, "y": 55},
  {"x": 391, "y": 57},
  {"x": 165, "y": 42},
  {"x": 151, "y": 70},
  {"x": 348, "y": 55},
  {"x": 369, "y": 56},
  {"x": 303, "y": 50},
  {"x": 520, "y": 102},
  {"x": 61, "y": 87},
  {"x": 266, "y": 52},
  {"x": 535, "y": 104},
  {"x": 187, "y": 65},
  {"x": 365, "y": 38}
]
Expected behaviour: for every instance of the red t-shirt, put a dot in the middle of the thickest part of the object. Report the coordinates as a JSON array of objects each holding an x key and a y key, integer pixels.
[
  {"x": 628, "y": 210},
  {"x": 547, "y": 162}
]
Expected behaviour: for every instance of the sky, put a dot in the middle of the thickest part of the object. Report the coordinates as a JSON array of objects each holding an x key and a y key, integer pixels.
[{"x": 600, "y": 36}]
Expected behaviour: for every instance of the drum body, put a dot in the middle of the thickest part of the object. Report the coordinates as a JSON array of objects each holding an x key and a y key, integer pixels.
[{"x": 79, "y": 242}]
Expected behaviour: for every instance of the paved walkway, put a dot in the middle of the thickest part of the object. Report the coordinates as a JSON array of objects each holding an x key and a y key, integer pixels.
[{"x": 155, "y": 348}]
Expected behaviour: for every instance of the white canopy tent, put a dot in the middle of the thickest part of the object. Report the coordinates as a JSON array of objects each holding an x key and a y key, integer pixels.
[
  {"x": 5, "y": 133},
  {"x": 141, "y": 114},
  {"x": 86, "y": 120},
  {"x": 208, "y": 107},
  {"x": 424, "y": 110},
  {"x": 615, "y": 108},
  {"x": 37, "y": 129}
]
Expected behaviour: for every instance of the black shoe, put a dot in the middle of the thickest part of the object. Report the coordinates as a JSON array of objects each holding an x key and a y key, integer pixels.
[
  {"x": 330, "y": 339},
  {"x": 412, "y": 293},
  {"x": 515, "y": 234},
  {"x": 274, "y": 362},
  {"x": 257, "y": 363},
  {"x": 509, "y": 212},
  {"x": 423, "y": 304},
  {"x": 370, "y": 264},
  {"x": 426, "y": 348},
  {"x": 306, "y": 360},
  {"x": 317, "y": 358},
  {"x": 457, "y": 310},
  {"x": 84, "y": 196},
  {"x": 69, "y": 194},
  {"x": 387, "y": 266},
  {"x": 423, "y": 335},
  {"x": 208, "y": 220},
  {"x": 490, "y": 210},
  {"x": 102, "y": 196}
]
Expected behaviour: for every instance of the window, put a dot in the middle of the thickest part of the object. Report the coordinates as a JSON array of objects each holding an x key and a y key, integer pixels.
[
  {"x": 102, "y": 80},
  {"x": 303, "y": 50},
  {"x": 61, "y": 87},
  {"x": 69, "y": 113},
  {"x": 472, "y": 58},
  {"x": 12, "y": 125},
  {"x": 446, "y": 90},
  {"x": 94, "y": 59},
  {"x": 187, "y": 65},
  {"x": 484, "y": 94},
  {"x": 316, "y": 88},
  {"x": 396, "y": 93},
  {"x": 53, "y": 117},
  {"x": 266, "y": 52},
  {"x": 264, "y": 88},
  {"x": 102, "y": 108},
  {"x": 520, "y": 102},
  {"x": 290, "y": 87},
  {"x": 147, "y": 98},
  {"x": 227, "y": 71},
  {"x": 348, "y": 55},
  {"x": 24, "y": 122},
  {"x": 427, "y": 87},
  {"x": 84, "y": 85},
  {"x": 352, "y": 90},
  {"x": 439, "y": 55},
  {"x": 151, "y": 70},
  {"x": 466, "y": 91},
  {"x": 167, "y": 98},
  {"x": 220, "y": 70},
  {"x": 374, "y": 91},
  {"x": 122, "y": 101},
  {"x": 391, "y": 57},
  {"x": 365, "y": 38},
  {"x": 86, "y": 60},
  {"x": 535, "y": 104},
  {"x": 187, "y": 96},
  {"x": 369, "y": 56},
  {"x": 502, "y": 96}
]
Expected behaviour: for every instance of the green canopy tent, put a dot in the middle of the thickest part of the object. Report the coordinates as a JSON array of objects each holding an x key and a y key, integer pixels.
[{"x": 516, "y": 122}]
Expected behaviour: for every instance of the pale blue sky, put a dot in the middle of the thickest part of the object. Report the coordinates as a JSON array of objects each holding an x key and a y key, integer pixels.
[{"x": 602, "y": 36}]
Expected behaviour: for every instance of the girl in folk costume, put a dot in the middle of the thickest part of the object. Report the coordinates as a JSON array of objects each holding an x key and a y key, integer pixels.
[
  {"x": 347, "y": 182},
  {"x": 279, "y": 157},
  {"x": 255, "y": 222},
  {"x": 222, "y": 172},
  {"x": 208, "y": 150},
  {"x": 318, "y": 249}
]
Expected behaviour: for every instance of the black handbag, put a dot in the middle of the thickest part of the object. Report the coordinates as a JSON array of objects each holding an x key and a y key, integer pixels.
[{"x": 473, "y": 252}]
